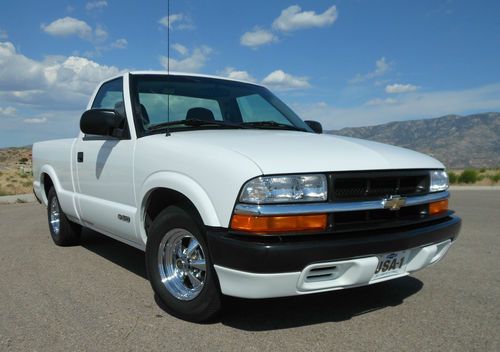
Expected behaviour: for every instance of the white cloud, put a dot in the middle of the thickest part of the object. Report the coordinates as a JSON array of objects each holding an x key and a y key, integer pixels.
[
  {"x": 8, "y": 111},
  {"x": 378, "y": 101},
  {"x": 93, "y": 5},
  {"x": 257, "y": 37},
  {"x": 181, "y": 49},
  {"x": 381, "y": 68},
  {"x": 57, "y": 82},
  {"x": 400, "y": 88},
  {"x": 119, "y": 43},
  {"x": 281, "y": 80},
  {"x": 415, "y": 105},
  {"x": 35, "y": 120},
  {"x": 192, "y": 63},
  {"x": 3, "y": 34},
  {"x": 231, "y": 72},
  {"x": 293, "y": 18},
  {"x": 183, "y": 22},
  {"x": 68, "y": 26},
  {"x": 100, "y": 34}
]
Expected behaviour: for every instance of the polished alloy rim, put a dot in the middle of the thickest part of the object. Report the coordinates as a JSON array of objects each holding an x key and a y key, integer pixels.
[
  {"x": 182, "y": 264},
  {"x": 55, "y": 216}
]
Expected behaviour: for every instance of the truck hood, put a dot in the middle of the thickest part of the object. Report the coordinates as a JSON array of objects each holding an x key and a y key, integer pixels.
[{"x": 279, "y": 151}]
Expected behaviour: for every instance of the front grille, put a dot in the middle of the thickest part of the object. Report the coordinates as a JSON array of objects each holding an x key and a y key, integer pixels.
[
  {"x": 379, "y": 218},
  {"x": 353, "y": 186}
]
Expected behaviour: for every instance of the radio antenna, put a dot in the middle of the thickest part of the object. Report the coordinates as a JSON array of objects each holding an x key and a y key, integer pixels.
[
  {"x": 168, "y": 37},
  {"x": 168, "y": 62}
]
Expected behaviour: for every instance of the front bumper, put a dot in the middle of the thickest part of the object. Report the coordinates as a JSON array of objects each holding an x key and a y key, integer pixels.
[{"x": 251, "y": 267}]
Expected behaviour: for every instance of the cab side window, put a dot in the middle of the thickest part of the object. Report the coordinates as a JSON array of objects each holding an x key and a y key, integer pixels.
[{"x": 110, "y": 96}]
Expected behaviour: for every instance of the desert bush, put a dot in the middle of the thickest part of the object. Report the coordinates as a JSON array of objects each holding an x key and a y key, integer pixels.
[
  {"x": 495, "y": 178},
  {"x": 2, "y": 192},
  {"x": 453, "y": 177},
  {"x": 482, "y": 170},
  {"x": 27, "y": 184},
  {"x": 23, "y": 160},
  {"x": 468, "y": 176},
  {"x": 23, "y": 175}
]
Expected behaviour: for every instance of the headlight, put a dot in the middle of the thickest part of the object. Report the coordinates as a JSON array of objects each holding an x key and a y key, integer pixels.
[
  {"x": 439, "y": 181},
  {"x": 284, "y": 189}
]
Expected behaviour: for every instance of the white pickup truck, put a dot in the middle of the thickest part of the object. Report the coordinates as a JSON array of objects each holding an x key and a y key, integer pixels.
[{"x": 229, "y": 192}]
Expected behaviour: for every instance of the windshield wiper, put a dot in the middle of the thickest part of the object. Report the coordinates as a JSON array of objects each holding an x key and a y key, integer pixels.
[
  {"x": 274, "y": 125},
  {"x": 194, "y": 122}
]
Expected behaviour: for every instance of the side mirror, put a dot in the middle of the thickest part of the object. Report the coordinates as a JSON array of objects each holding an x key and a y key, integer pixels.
[
  {"x": 102, "y": 122},
  {"x": 315, "y": 126}
]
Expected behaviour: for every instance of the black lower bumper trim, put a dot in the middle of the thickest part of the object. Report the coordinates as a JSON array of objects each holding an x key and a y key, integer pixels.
[{"x": 262, "y": 256}]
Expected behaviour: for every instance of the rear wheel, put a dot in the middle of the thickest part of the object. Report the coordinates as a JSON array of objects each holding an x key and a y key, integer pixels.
[
  {"x": 179, "y": 266},
  {"x": 63, "y": 231}
]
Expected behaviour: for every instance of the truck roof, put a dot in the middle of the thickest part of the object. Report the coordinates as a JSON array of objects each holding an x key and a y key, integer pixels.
[{"x": 165, "y": 73}]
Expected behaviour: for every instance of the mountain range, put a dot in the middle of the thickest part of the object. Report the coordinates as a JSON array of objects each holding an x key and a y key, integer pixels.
[{"x": 457, "y": 141}]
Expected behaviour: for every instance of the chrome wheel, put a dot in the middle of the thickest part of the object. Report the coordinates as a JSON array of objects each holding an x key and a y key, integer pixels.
[
  {"x": 181, "y": 264},
  {"x": 55, "y": 216}
]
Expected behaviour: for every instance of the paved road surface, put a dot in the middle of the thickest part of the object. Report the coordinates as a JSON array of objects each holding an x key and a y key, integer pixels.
[{"x": 96, "y": 298}]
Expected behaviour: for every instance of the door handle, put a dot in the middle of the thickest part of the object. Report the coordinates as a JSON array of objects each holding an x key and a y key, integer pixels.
[{"x": 79, "y": 157}]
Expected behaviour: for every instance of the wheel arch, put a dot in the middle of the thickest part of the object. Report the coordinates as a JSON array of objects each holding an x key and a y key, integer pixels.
[{"x": 167, "y": 188}]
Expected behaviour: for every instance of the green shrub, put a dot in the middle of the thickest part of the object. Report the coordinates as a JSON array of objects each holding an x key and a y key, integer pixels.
[
  {"x": 495, "y": 178},
  {"x": 482, "y": 170},
  {"x": 468, "y": 176},
  {"x": 23, "y": 160},
  {"x": 453, "y": 177}
]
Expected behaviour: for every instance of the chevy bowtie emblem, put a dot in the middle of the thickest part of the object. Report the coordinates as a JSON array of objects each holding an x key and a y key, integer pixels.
[{"x": 394, "y": 202}]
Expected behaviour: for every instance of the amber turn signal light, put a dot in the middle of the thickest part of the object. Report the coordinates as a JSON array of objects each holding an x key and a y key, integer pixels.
[
  {"x": 274, "y": 224},
  {"x": 438, "y": 207}
]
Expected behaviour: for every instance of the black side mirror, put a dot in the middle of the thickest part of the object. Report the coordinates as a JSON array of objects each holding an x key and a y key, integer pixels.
[
  {"x": 315, "y": 126},
  {"x": 102, "y": 122}
]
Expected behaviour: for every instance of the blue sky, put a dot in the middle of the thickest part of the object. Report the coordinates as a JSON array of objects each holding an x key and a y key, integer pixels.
[{"x": 344, "y": 63}]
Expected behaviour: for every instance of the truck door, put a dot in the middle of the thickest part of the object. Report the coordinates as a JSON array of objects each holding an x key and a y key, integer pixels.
[{"x": 105, "y": 173}]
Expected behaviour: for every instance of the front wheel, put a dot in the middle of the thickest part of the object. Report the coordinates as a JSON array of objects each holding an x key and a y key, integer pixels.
[{"x": 179, "y": 266}]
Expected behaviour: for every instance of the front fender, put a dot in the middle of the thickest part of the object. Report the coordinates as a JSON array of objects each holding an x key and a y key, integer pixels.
[{"x": 182, "y": 184}]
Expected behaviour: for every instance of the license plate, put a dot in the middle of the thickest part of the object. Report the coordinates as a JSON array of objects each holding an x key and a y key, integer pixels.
[{"x": 390, "y": 264}]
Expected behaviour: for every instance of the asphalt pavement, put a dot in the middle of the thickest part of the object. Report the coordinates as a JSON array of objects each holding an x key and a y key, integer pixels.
[{"x": 95, "y": 297}]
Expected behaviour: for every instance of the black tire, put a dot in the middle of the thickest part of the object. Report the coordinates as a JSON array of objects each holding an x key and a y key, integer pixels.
[
  {"x": 207, "y": 303},
  {"x": 68, "y": 233}
]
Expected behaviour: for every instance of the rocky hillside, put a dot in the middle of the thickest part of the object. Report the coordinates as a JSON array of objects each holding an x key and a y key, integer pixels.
[{"x": 458, "y": 141}]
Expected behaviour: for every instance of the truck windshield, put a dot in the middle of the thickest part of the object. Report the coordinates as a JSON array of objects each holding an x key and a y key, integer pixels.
[{"x": 169, "y": 103}]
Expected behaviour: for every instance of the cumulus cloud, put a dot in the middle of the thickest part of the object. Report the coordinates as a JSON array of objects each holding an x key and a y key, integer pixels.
[
  {"x": 94, "y": 5},
  {"x": 409, "y": 106},
  {"x": 57, "y": 82},
  {"x": 35, "y": 120},
  {"x": 191, "y": 63},
  {"x": 231, "y": 72},
  {"x": 281, "y": 80},
  {"x": 68, "y": 26},
  {"x": 119, "y": 43},
  {"x": 293, "y": 18},
  {"x": 381, "y": 68},
  {"x": 181, "y": 49},
  {"x": 400, "y": 88},
  {"x": 257, "y": 37},
  {"x": 379, "y": 101},
  {"x": 177, "y": 21},
  {"x": 8, "y": 111}
]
